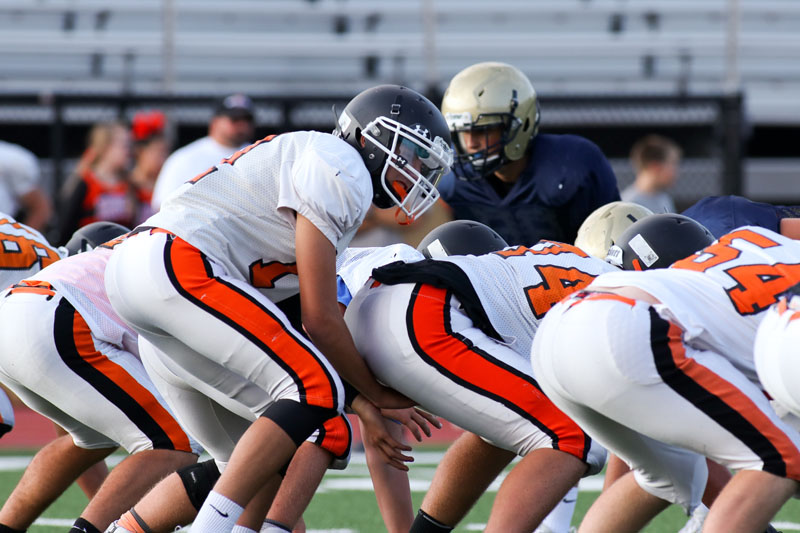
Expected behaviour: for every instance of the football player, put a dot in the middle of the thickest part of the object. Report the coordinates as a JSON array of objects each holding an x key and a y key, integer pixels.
[
  {"x": 676, "y": 343},
  {"x": 523, "y": 184},
  {"x": 596, "y": 235},
  {"x": 69, "y": 357},
  {"x": 454, "y": 335},
  {"x": 23, "y": 253},
  {"x": 200, "y": 282}
]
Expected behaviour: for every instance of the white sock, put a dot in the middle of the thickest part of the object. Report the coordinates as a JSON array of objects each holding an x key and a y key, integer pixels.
[
  {"x": 560, "y": 517},
  {"x": 272, "y": 527},
  {"x": 218, "y": 514},
  {"x": 241, "y": 529}
]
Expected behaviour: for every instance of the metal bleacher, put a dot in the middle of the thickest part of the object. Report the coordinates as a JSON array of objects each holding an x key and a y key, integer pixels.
[
  {"x": 341, "y": 46},
  {"x": 335, "y": 48}
]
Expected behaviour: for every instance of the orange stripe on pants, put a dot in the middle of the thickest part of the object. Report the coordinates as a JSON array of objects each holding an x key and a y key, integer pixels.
[
  {"x": 738, "y": 403},
  {"x": 84, "y": 343},
  {"x": 429, "y": 329},
  {"x": 245, "y": 314}
]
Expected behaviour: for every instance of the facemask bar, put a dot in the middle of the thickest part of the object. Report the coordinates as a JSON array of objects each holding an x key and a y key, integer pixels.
[
  {"x": 477, "y": 165},
  {"x": 435, "y": 157}
]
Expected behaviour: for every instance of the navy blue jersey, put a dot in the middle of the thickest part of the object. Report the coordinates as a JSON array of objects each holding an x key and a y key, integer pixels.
[
  {"x": 722, "y": 214},
  {"x": 567, "y": 178}
]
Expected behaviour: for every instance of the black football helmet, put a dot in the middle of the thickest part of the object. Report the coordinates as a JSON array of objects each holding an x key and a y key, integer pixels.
[
  {"x": 396, "y": 127},
  {"x": 657, "y": 241},
  {"x": 461, "y": 237},
  {"x": 93, "y": 235}
]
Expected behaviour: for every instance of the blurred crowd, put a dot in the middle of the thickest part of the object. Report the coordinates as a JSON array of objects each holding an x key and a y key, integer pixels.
[{"x": 127, "y": 169}]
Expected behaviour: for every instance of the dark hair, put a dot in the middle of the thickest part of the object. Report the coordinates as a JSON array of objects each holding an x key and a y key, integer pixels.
[{"x": 653, "y": 149}]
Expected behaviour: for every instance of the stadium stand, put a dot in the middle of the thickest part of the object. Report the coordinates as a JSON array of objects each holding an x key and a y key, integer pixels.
[
  {"x": 334, "y": 48},
  {"x": 340, "y": 46}
]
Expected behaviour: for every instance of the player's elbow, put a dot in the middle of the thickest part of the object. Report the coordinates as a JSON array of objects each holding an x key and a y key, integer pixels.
[{"x": 320, "y": 324}]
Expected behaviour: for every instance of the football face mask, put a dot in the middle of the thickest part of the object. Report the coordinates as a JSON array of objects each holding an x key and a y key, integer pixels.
[
  {"x": 495, "y": 130},
  {"x": 414, "y": 165}
]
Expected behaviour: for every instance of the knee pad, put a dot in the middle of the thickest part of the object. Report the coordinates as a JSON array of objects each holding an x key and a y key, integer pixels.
[
  {"x": 298, "y": 420},
  {"x": 198, "y": 480}
]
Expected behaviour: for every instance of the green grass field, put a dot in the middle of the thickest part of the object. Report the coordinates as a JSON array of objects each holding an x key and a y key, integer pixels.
[{"x": 346, "y": 504}]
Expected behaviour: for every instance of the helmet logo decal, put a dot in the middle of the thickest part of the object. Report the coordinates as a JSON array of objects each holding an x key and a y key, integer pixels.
[
  {"x": 422, "y": 131},
  {"x": 459, "y": 121},
  {"x": 643, "y": 250},
  {"x": 436, "y": 250},
  {"x": 344, "y": 121}
]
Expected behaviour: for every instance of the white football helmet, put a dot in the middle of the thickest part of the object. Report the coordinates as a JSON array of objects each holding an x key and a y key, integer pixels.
[{"x": 606, "y": 223}]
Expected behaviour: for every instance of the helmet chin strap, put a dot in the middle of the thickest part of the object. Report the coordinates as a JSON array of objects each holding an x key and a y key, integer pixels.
[
  {"x": 399, "y": 215},
  {"x": 401, "y": 218}
]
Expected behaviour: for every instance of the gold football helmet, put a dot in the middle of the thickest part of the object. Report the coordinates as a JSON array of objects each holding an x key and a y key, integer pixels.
[{"x": 483, "y": 98}]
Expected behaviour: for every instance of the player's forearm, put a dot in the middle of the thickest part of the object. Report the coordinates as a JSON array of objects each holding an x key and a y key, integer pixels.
[{"x": 331, "y": 336}]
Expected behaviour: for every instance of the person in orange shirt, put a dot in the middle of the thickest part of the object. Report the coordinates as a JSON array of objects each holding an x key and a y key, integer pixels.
[
  {"x": 99, "y": 188},
  {"x": 150, "y": 150}
]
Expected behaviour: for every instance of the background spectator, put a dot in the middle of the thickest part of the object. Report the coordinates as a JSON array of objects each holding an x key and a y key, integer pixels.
[
  {"x": 21, "y": 195},
  {"x": 230, "y": 129},
  {"x": 655, "y": 161},
  {"x": 99, "y": 187},
  {"x": 150, "y": 150}
]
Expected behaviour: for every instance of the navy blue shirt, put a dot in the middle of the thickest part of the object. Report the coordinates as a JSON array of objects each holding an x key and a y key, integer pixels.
[
  {"x": 567, "y": 178},
  {"x": 723, "y": 214}
]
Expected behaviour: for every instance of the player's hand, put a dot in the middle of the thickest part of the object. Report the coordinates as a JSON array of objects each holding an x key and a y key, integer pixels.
[
  {"x": 377, "y": 437},
  {"x": 414, "y": 419}
]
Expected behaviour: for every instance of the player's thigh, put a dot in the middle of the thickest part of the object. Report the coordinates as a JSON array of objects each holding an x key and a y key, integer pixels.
[
  {"x": 93, "y": 384},
  {"x": 215, "y": 427},
  {"x": 82, "y": 435},
  {"x": 222, "y": 322},
  {"x": 668, "y": 472}
]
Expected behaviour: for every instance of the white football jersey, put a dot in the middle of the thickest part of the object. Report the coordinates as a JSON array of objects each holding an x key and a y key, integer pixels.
[
  {"x": 718, "y": 296},
  {"x": 242, "y": 212},
  {"x": 23, "y": 251},
  {"x": 80, "y": 279},
  {"x": 19, "y": 175},
  {"x": 518, "y": 285}
]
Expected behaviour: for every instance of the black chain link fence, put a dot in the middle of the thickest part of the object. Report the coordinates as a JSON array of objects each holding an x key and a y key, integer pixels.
[{"x": 710, "y": 129}]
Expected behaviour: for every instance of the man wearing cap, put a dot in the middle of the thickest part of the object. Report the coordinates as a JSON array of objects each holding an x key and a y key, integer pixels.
[{"x": 230, "y": 129}]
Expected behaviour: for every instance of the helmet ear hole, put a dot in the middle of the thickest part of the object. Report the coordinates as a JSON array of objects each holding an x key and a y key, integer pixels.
[{"x": 360, "y": 138}]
